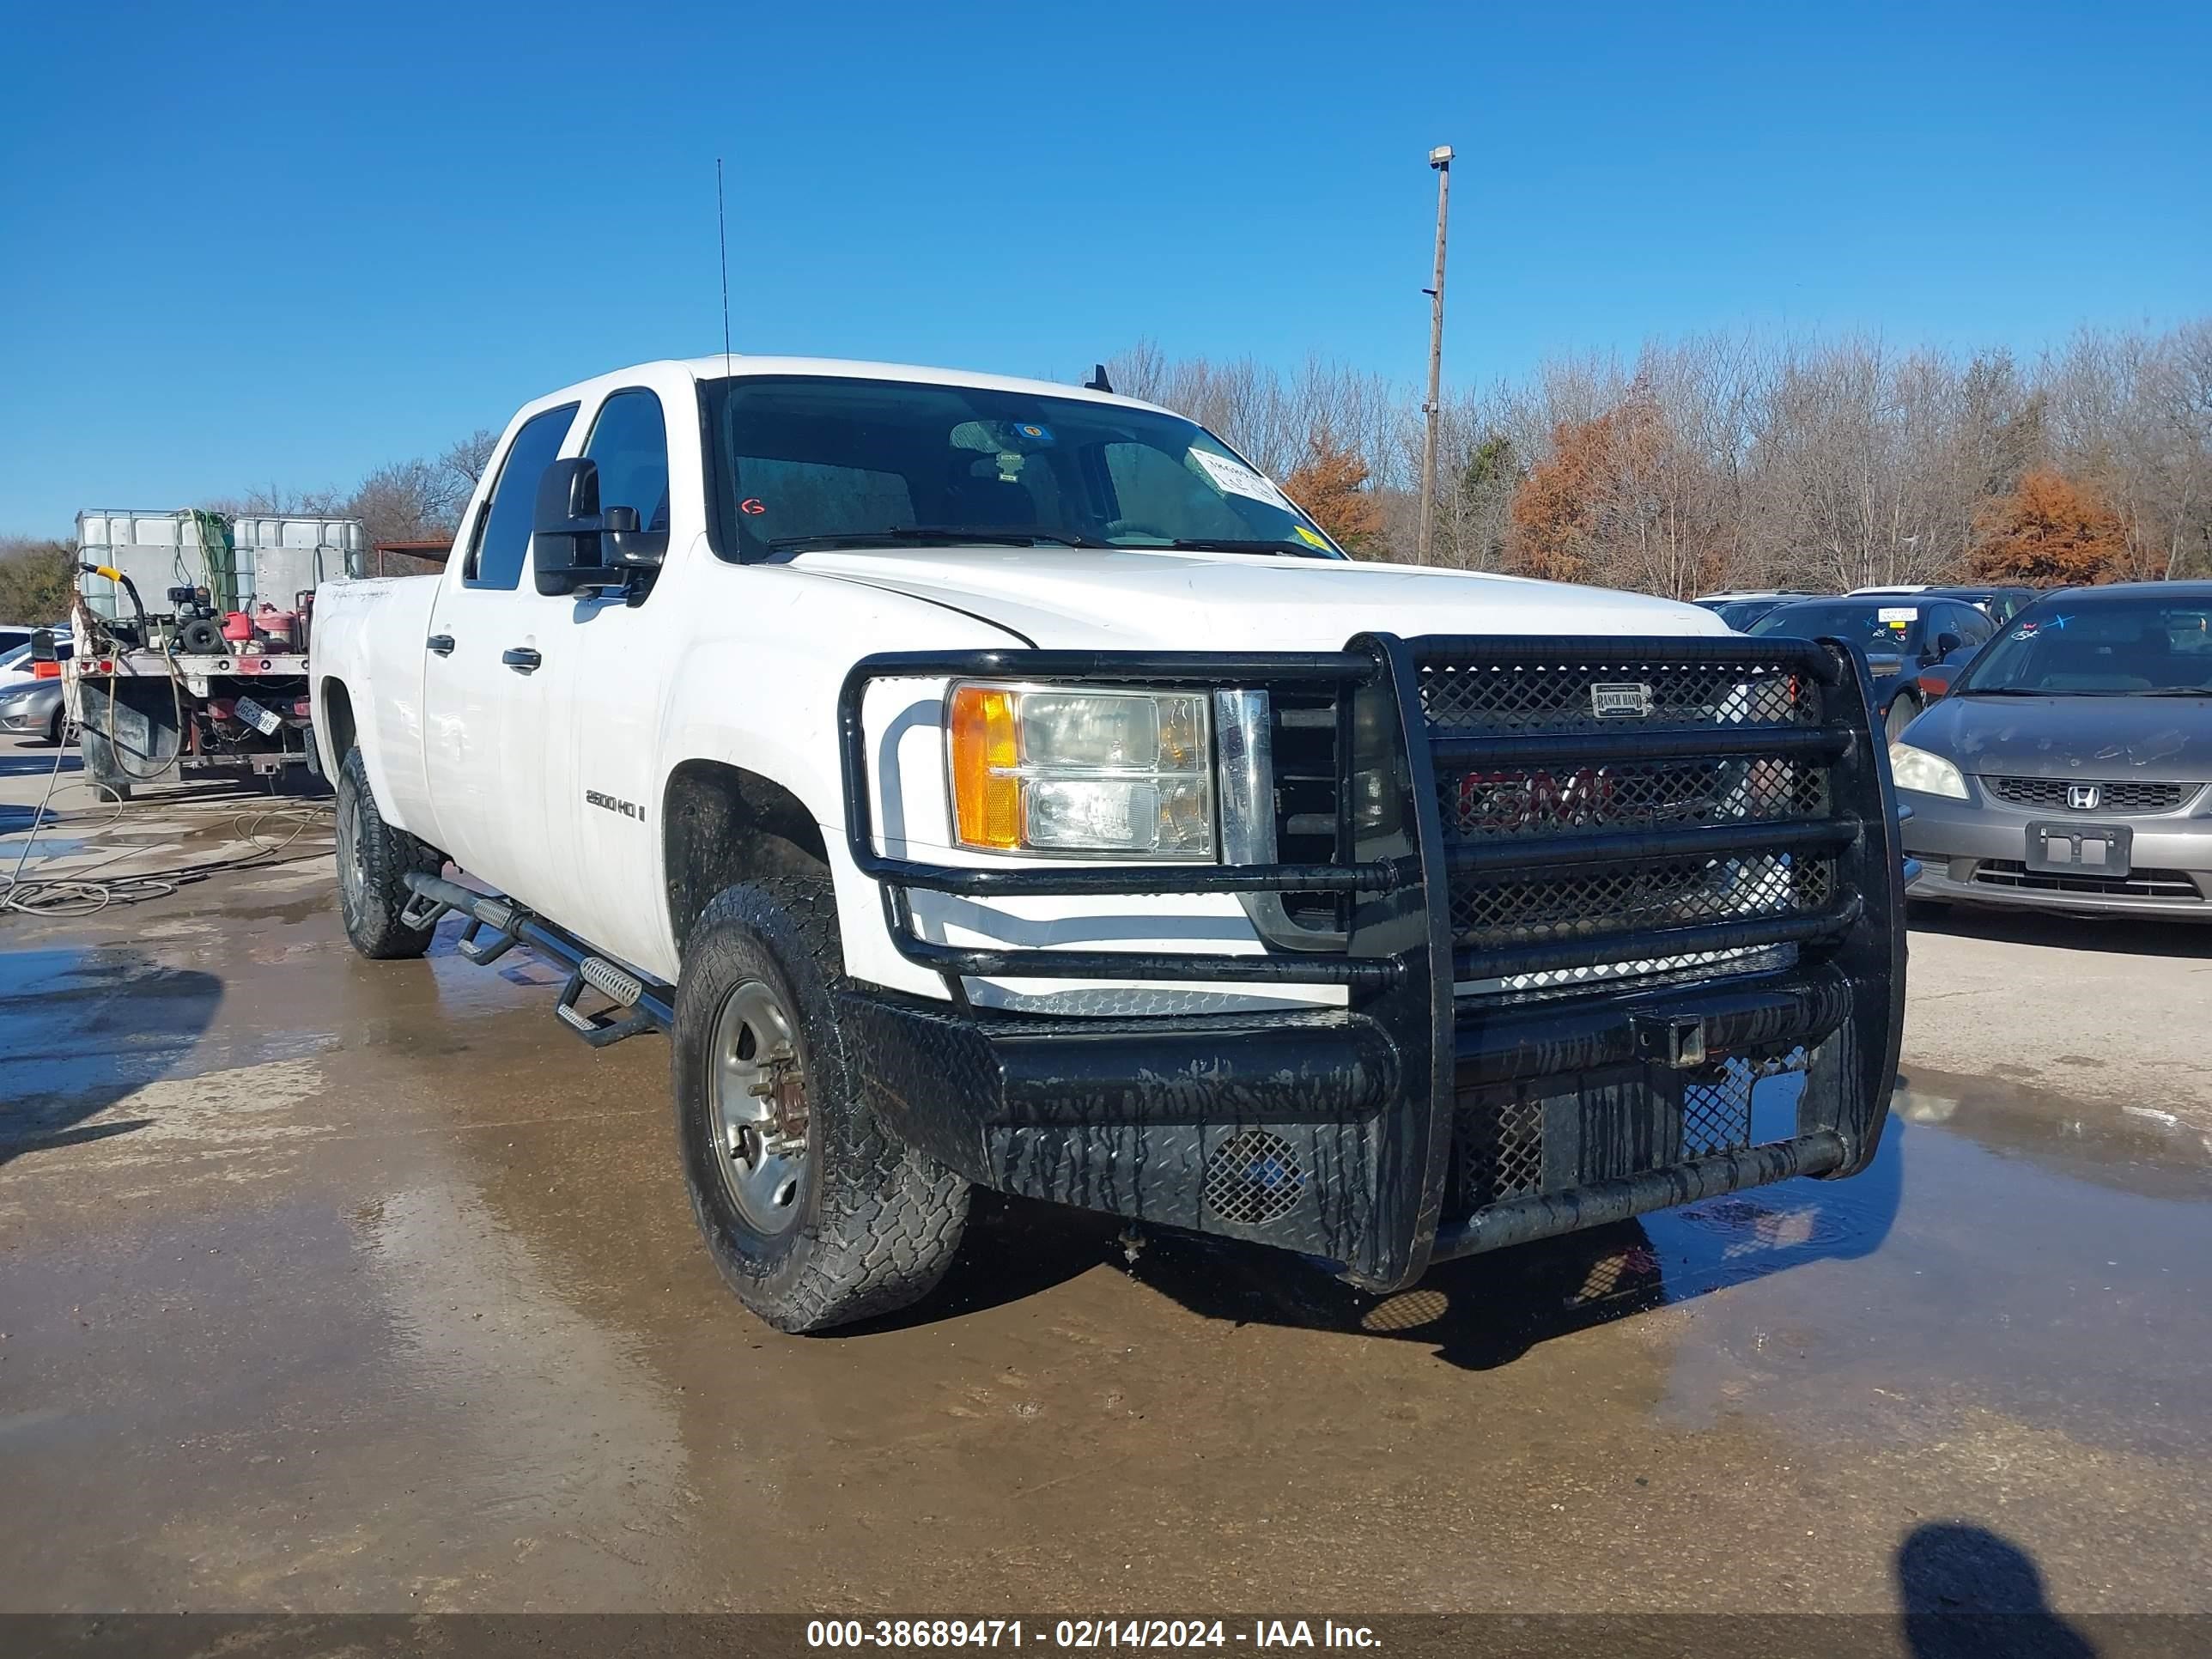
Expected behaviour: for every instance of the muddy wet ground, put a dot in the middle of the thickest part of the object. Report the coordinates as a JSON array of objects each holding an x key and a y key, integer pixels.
[{"x": 328, "y": 1285}]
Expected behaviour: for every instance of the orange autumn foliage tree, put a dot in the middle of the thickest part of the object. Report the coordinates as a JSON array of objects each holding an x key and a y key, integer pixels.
[
  {"x": 2050, "y": 532},
  {"x": 1331, "y": 484},
  {"x": 1560, "y": 514}
]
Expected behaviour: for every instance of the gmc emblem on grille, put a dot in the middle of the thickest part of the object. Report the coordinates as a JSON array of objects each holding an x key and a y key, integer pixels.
[
  {"x": 2083, "y": 796},
  {"x": 1632, "y": 703}
]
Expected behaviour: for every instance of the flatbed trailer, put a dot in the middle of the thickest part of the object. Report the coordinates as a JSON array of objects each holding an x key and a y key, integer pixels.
[{"x": 144, "y": 713}]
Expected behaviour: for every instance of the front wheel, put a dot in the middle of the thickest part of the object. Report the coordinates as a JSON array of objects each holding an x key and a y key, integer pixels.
[{"x": 814, "y": 1215}]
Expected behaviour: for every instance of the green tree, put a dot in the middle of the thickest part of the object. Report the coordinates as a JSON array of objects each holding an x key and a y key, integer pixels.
[{"x": 36, "y": 579}]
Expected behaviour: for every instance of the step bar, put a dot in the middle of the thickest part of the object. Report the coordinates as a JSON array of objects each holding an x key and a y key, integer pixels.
[{"x": 496, "y": 924}]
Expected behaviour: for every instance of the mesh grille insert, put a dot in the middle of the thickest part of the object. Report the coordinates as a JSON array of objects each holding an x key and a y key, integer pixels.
[
  {"x": 1641, "y": 691},
  {"x": 1717, "y": 1109},
  {"x": 1562, "y": 697},
  {"x": 1501, "y": 1151},
  {"x": 1487, "y": 805},
  {"x": 1253, "y": 1177},
  {"x": 1670, "y": 893}
]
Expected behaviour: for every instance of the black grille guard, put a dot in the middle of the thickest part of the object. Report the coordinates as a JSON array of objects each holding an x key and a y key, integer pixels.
[{"x": 1825, "y": 980}]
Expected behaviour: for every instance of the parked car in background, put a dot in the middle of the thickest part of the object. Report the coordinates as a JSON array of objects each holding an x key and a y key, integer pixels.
[
  {"x": 33, "y": 709},
  {"x": 19, "y": 664},
  {"x": 1934, "y": 681},
  {"x": 1901, "y": 633},
  {"x": 2071, "y": 766},
  {"x": 1740, "y": 610},
  {"x": 1999, "y": 605}
]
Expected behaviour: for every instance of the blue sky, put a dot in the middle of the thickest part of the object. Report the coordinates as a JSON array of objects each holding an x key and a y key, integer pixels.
[{"x": 251, "y": 244}]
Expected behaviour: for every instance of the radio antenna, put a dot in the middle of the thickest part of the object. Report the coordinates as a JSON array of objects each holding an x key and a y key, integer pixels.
[{"x": 722, "y": 233}]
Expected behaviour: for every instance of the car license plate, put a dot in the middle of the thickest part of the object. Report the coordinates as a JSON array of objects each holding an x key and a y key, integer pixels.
[
  {"x": 263, "y": 720},
  {"x": 2079, "y": 849}
]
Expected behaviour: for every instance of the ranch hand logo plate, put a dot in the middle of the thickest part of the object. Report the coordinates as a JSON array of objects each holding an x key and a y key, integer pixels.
[{"x": 1620, "y": 702}]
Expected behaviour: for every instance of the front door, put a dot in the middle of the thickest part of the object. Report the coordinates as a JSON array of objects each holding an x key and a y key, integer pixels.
[
  {"x": 604, "y": 782},
  {"x": 487, "y": 695}
]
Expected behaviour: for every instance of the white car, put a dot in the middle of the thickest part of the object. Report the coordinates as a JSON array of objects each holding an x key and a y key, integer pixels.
[
  {"x": 991, "y": 781},
  {"x": 19, "y": 661}
]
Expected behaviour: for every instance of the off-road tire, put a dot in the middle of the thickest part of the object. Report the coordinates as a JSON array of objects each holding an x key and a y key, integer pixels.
[
  {"x": 380, "y": 857},
  {"x": 1900, "y": 714},
  {"x": 879, "y": 1222},
  {"x": 109, "y": 780}
]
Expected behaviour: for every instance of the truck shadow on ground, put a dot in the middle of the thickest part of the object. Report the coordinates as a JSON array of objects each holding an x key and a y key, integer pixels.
[
  {"x": 1477, "y": 1314},
  {"x": 1966, "y": 1591},
  {"x": 81, "y": 1029}
]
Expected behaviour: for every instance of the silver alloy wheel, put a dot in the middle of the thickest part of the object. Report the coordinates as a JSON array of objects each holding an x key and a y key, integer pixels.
[
  {"x": 353, "y": 859},
  {"x": 758, "y": 1093}
]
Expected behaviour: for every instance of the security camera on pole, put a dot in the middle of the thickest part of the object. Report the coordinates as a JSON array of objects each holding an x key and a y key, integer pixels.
[{"x": 1440, "y": 158}]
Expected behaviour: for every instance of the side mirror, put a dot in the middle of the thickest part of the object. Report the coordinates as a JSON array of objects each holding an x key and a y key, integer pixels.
[
  {"x": 42, "y": 646},
  {"x": 571, "y": 536},
  {"x": 634, "y": 548}
]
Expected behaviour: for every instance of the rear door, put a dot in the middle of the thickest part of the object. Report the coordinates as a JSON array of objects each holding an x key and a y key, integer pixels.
[{"x": 484, "y": 694}]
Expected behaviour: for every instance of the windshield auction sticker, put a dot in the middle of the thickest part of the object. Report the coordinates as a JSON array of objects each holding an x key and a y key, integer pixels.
[{"x": 1239, "y": 480}]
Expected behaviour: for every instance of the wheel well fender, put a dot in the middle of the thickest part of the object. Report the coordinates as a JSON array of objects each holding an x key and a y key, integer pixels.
[
  {"x": 720, "y": 824},
  {"x": 334, "y": 726}
]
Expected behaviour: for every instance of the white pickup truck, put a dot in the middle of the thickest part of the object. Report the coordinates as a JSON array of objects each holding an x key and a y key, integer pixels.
[{"x": 987, "y": 780}]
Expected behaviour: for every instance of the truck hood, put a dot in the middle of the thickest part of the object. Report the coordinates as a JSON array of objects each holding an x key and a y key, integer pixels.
[{"x": 1129, "y": 598}]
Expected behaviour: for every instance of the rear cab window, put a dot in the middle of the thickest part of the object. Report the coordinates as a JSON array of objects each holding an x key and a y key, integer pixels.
[{"x": 501, "y": 544}]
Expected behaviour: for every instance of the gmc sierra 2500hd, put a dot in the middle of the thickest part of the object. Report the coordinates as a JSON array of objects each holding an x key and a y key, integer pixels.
[{"x": 986, "y": 781}]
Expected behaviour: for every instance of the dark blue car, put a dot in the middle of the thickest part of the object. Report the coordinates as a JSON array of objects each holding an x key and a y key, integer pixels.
[{"x": 1900, "y": 633}]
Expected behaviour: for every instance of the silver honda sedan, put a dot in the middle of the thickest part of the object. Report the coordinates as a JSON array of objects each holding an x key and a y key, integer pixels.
[{"x": 2071, "y": 769}]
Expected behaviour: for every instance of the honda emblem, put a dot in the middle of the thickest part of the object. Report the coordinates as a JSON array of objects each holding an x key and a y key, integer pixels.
[{"x": 2083, "y": 796}]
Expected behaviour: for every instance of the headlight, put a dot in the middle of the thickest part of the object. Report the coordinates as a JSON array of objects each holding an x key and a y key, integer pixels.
[
  {"x": 1048, "y": 770},
  {"x": 1931, "y": 775}
]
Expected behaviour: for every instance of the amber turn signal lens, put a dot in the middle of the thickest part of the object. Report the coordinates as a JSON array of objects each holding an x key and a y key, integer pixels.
[{"x": 987, "y": 796}]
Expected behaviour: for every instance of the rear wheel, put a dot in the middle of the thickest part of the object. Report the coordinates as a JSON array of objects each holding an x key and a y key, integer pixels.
[
  {"x": 374, "y": 860},
  {"x": 814, "y": 1215}
]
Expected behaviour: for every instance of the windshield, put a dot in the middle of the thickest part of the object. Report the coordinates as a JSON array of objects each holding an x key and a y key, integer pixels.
[
  {"x": 1891, "y": 625},
  {"x": 804, "y": 462},
  {"x": 1740, "y": 614},
  {"x": 2100, "y": 648}
]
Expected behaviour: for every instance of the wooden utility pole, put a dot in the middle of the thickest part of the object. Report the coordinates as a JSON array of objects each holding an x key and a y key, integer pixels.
[{"x": 1440, "y": 158}]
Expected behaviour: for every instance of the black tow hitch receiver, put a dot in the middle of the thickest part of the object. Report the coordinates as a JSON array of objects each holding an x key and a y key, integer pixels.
[{"x": 1679, "y": 1043}]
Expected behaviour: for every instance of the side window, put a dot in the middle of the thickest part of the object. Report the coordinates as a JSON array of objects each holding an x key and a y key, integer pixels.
[
  {"x": 630, "y": 442},
  {"x": 502, "y": 536}
]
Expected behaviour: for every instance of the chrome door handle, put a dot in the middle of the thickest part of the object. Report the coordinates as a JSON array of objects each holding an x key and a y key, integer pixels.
[
  {"x": 441, "y": 643},
  {"x": 521, "y": 659}
]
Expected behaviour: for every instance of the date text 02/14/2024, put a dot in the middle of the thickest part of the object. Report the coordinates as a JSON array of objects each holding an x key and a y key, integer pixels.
[{"x": 1084, "y": 1633}]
